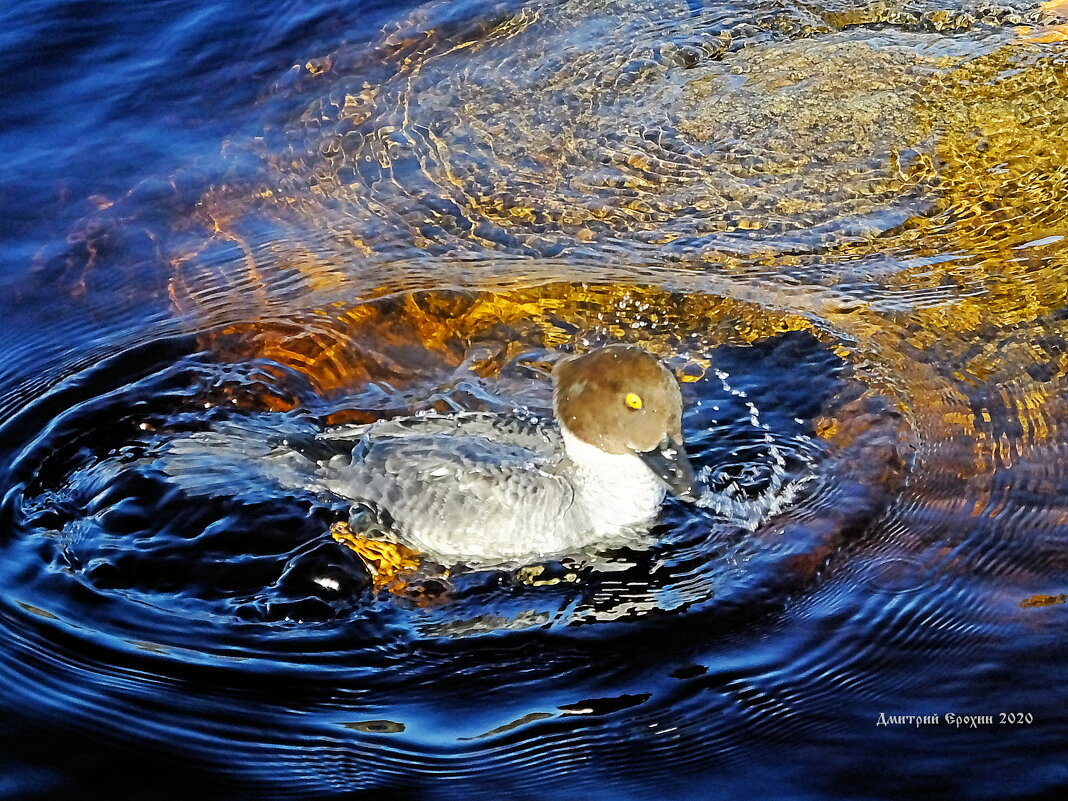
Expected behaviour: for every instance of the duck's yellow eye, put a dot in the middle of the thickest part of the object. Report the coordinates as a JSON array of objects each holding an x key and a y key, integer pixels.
[{"x": 633, "y": 401}]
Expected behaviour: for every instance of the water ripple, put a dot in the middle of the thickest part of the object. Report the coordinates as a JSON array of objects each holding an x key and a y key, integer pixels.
[{"x": 840, "y": 224}]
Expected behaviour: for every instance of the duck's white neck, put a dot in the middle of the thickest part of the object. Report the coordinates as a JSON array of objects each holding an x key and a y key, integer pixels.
[{"x": 619, "y": 490}]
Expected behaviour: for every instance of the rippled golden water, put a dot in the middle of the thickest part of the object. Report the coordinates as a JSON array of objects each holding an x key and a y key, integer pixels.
[{"x": 893, "y": 178}]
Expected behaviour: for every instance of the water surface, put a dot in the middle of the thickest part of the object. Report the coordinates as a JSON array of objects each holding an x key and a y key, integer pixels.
[{"x": 843, "y": 224}]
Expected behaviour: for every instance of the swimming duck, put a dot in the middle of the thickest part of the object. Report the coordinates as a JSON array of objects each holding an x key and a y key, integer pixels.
[{"x": 484, "y": 488}]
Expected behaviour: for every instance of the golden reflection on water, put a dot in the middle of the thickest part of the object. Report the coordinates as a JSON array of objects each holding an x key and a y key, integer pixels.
[
  {"x": 892, "y": 178},
  {"x": 391, "y": 338}
]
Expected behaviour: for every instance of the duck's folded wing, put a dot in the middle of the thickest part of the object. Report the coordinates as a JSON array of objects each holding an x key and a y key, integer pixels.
[
  {"x": 513, "y": 429},
  {"x": 432, "y": 446},
  {"x": 439, "y": 489}
]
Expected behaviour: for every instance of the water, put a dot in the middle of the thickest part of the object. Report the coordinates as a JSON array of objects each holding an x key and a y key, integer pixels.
[{"x": 842, "y": 224}]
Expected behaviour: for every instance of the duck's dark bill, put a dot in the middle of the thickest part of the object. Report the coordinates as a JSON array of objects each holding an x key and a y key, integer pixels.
[{"x": 672, "y": 465}]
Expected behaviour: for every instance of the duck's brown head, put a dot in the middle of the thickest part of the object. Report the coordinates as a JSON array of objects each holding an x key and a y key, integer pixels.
[{"x": 622, "y": 399}]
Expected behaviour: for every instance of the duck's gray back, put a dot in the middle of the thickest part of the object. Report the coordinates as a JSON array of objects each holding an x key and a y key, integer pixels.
[{"x": 461, "y": 487}]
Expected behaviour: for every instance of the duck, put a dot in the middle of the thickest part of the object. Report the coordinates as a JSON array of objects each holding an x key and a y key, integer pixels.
[{"x": 482, "y": 488}]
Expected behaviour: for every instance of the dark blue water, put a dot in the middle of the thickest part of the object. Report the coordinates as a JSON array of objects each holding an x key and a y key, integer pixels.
[{"x": 308, "y": 213}]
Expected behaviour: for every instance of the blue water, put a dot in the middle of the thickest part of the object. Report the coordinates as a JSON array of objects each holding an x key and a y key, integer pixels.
[{"x": 157, "y": 646}]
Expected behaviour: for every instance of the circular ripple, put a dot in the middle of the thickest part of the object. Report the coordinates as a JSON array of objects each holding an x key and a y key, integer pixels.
[
  {"x": 119, "y": 582},
  {"x": 92, "y": 507}
]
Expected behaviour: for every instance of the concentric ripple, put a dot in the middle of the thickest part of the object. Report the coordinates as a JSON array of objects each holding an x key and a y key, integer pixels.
[
  {"x": 117, "y": 564},
  {"x": 91, "y": 503}
]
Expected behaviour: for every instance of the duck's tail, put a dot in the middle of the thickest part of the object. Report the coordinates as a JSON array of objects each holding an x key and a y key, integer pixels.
[{"x": 243, "y": 459}]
